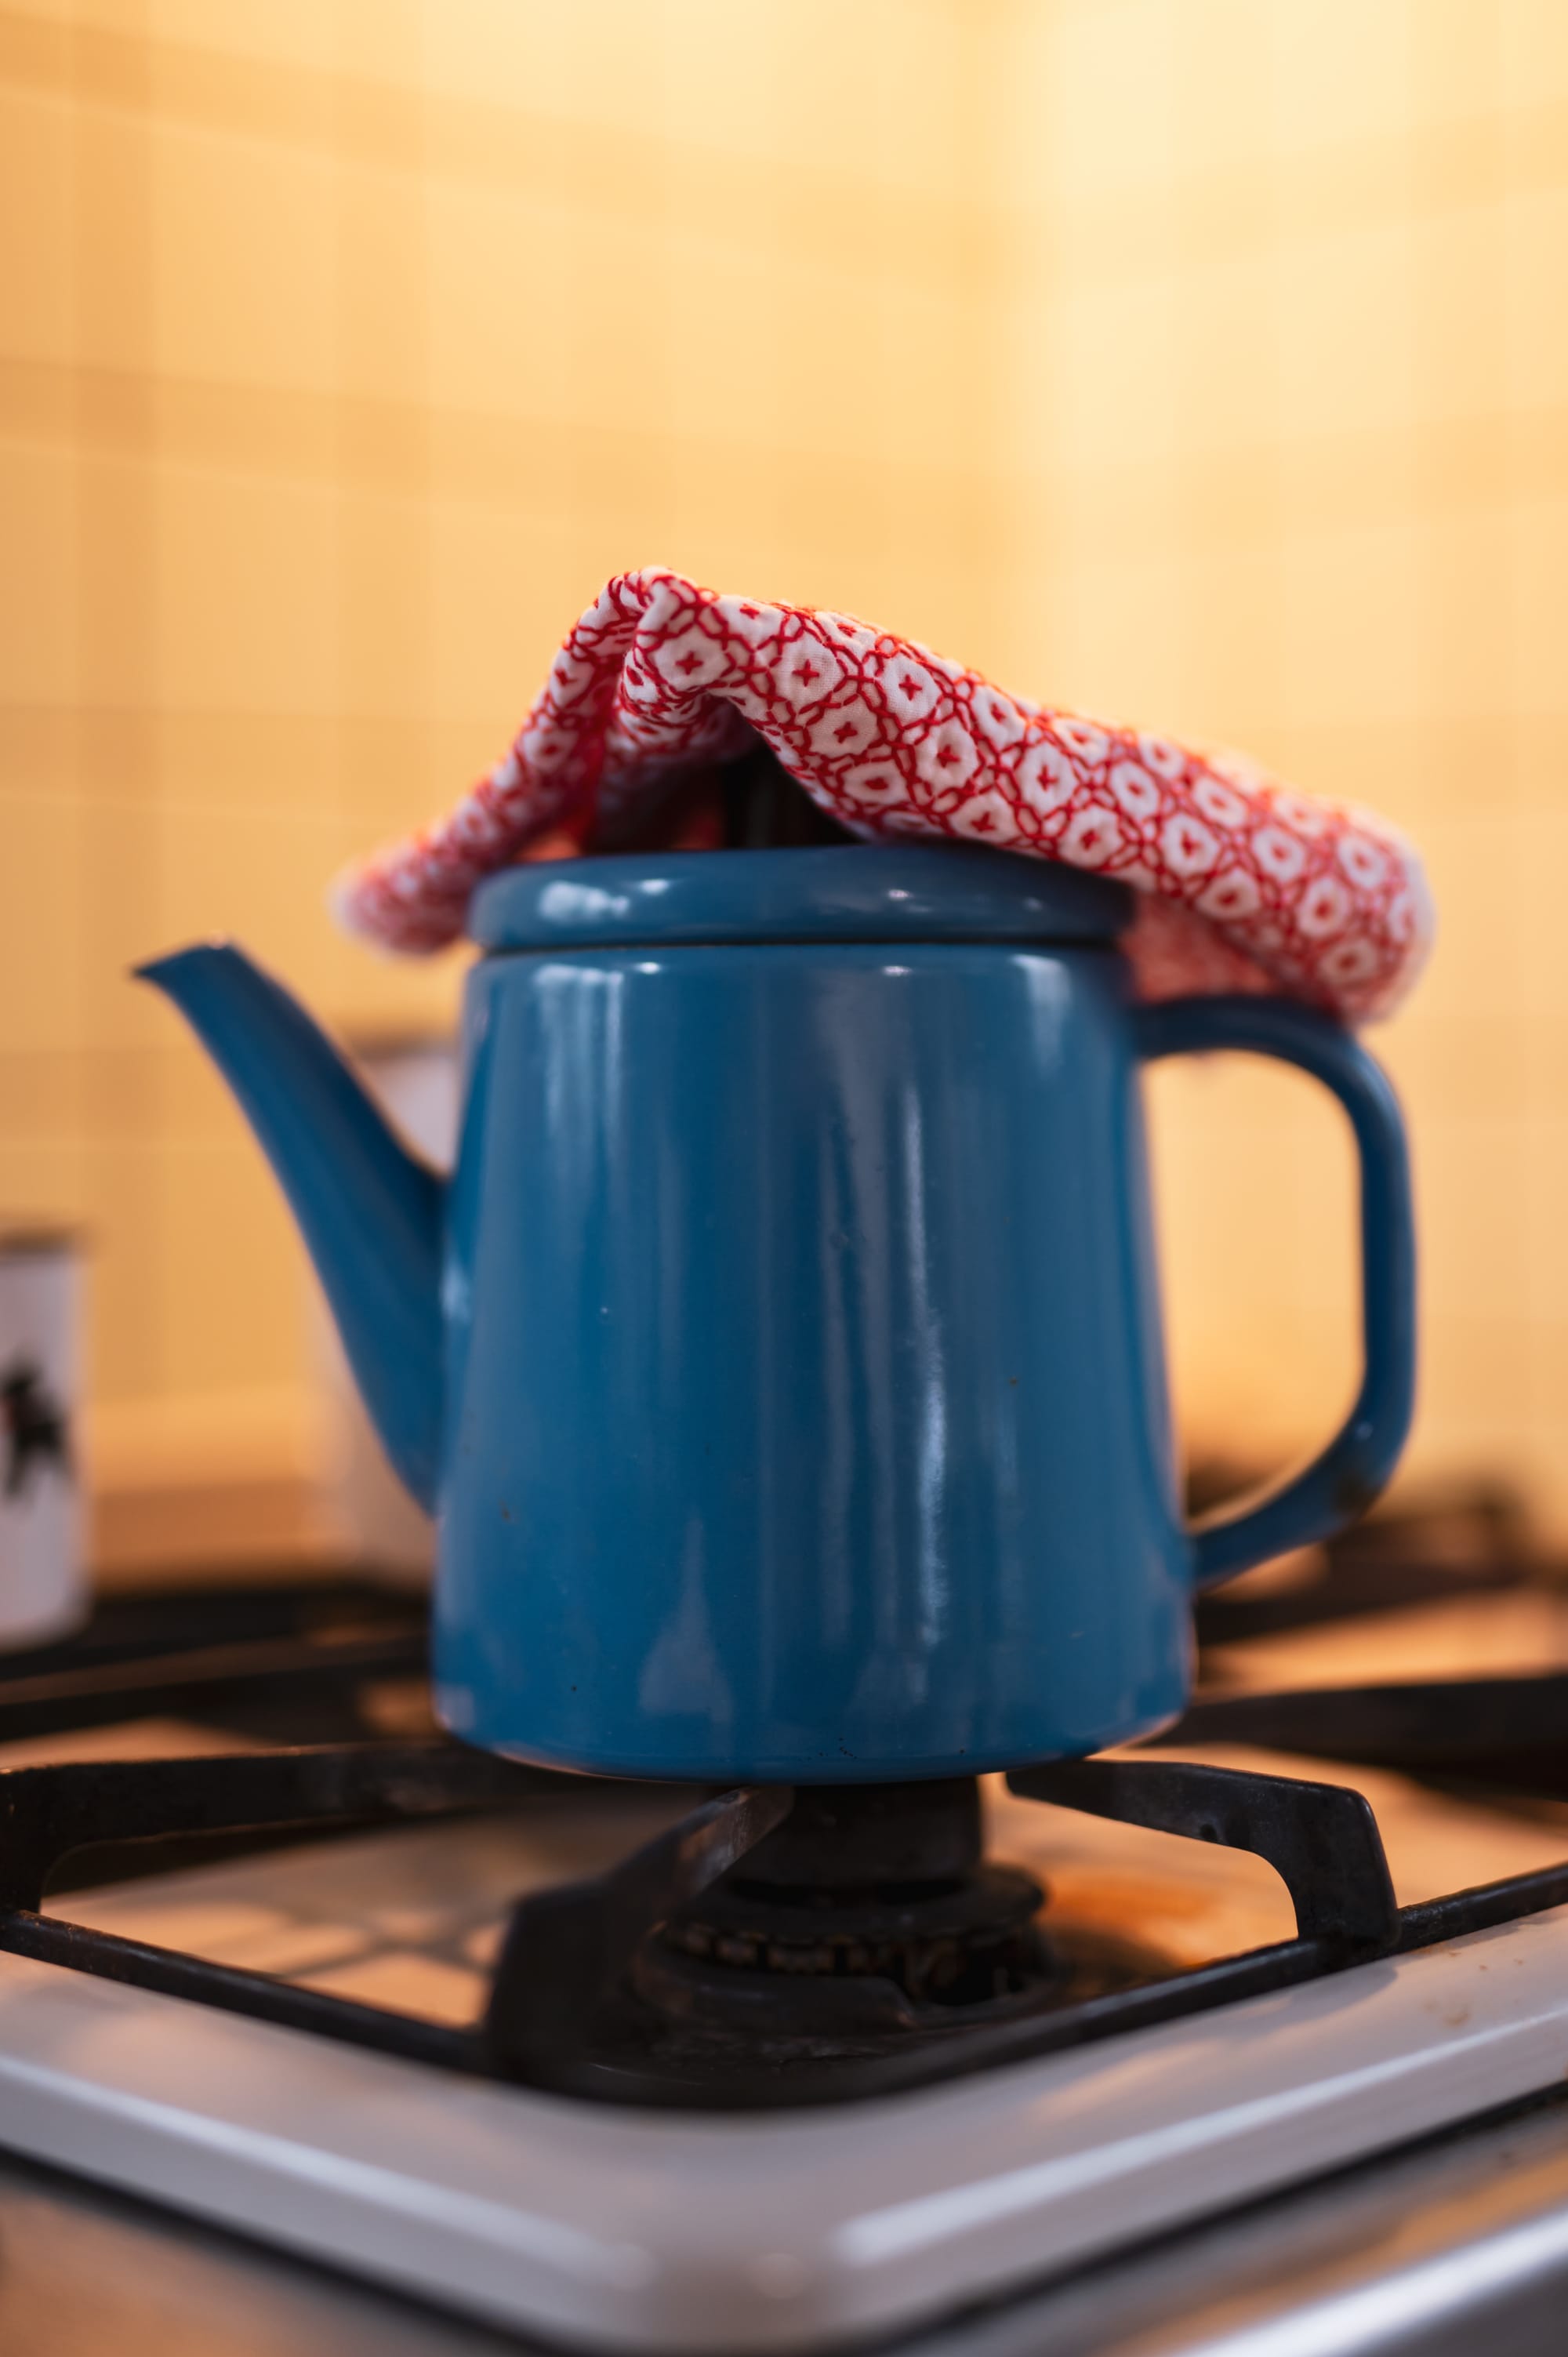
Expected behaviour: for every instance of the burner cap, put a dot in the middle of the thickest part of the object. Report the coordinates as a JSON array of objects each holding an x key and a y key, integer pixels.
[
  {"x": 870, "y": 1836},
  {"x": 867, "y": 1910}
]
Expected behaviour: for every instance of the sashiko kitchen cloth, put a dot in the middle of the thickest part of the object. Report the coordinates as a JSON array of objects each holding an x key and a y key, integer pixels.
[{"x": 1245, "y": 884}]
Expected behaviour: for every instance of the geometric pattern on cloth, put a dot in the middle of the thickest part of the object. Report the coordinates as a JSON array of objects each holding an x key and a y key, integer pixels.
[{"x": 1246, "y": 884}]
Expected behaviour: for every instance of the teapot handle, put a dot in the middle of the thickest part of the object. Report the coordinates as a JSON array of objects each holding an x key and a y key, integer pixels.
[{"x": 1341, "y": 1482}]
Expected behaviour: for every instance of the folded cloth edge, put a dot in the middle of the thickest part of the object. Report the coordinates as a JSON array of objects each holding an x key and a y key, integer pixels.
[{"x": 1246, "y": 883}]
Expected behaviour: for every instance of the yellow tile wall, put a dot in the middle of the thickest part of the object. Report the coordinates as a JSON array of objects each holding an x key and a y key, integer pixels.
[
  {"x": 1286, "y": 422},
  {"x": 1202, "y": 360},
  {"x": 345, "y": 349}
]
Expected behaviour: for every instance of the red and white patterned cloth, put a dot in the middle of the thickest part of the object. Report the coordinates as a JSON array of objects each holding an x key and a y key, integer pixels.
[{"x": 1247, "y": 886}]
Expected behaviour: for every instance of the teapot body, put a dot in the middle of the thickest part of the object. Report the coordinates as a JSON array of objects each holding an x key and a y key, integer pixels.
[
  {"x": 805, "y": 1402},
  {"x": 782, "y": 1361}
]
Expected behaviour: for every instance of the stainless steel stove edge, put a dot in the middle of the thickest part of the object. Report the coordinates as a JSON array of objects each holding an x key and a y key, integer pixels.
[
  {"x": 1457, "y": 2244},
  {"x": 603, "y": 2229}
]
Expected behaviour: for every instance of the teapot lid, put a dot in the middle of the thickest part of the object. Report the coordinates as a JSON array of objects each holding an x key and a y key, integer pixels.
[{"x": 832, "y": 892}]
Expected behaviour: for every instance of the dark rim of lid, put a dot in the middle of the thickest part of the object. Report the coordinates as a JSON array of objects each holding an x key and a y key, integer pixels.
[{"x": 831, "y": 893}]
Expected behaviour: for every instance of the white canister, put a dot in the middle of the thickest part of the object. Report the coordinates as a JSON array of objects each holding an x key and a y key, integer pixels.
[
  {"x": 43, "y": 1586},
  {"x": 367, "y": 1511}
]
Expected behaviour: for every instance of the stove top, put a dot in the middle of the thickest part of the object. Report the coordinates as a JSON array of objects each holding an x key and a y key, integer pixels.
[
  {"x": 766, "y": 1951},
  {"x": 650, "y": 2068}
]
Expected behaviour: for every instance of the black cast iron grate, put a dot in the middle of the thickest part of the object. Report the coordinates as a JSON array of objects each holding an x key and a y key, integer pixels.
[
  {"x": 289, "y": 1659},
  {"x": 558, "y": 2014},
  {"x": 1475, "y": 1541}
]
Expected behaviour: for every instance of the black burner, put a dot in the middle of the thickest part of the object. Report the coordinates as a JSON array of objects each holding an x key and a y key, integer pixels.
[{"x": 869, "y": 1910}]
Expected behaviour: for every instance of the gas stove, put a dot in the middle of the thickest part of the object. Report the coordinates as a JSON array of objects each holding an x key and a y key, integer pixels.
[{"x": 629, "y": 2066}]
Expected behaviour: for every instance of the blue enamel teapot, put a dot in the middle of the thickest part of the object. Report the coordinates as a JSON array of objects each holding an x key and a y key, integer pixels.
[{"x": 783, "y": 1359}]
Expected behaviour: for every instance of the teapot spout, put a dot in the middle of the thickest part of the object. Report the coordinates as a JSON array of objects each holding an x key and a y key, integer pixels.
[{"x": 371, "y": 1211}]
